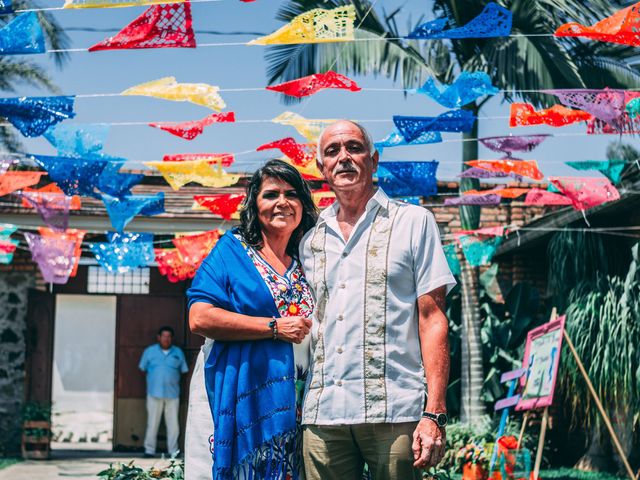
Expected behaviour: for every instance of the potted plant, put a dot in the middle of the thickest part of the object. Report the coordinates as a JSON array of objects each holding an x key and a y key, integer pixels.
[
  {"x": 36, "y": 430},
  {"x": 474, "y": 460}
]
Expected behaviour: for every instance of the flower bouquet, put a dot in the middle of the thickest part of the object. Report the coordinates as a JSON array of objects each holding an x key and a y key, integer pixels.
[{"x": 474, "y": 460}]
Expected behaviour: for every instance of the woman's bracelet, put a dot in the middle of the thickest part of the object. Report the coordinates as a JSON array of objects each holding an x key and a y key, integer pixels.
[{"x": 273, "y": 325}]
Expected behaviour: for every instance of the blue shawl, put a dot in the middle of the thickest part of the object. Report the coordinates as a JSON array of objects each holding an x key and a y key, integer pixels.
[{"x": 250, "y": 384}]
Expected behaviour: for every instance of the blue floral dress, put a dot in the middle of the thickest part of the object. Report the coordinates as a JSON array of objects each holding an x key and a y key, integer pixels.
[{"x": 292, "y": 296}]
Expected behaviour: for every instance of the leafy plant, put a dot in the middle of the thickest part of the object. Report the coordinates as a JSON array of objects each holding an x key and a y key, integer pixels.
[
  {"x": 129, "y": 471},
  {"x": 623, "y": 151},
  {"x": 461, "y": 434},
  {"x": 574, "y": 257},
  {"x": 503, "y": 332},
  {"x": 36, "y": 412},
  {"x": 603, "y": 321}
]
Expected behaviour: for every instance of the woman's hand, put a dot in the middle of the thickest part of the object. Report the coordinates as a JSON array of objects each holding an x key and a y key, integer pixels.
[{"x": 293, "y": 329}]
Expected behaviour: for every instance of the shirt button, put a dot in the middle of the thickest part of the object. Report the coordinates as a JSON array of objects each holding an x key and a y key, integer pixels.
[
  {"x": 340, "y": 317},
  {"x": 344, "y": 254},
  {"x": 339, "y": 350},
  {"x": 342, "y": 285},
  {"x": 339, "y": 383}
]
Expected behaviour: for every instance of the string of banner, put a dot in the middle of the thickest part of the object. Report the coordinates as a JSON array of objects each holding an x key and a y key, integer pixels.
[{"x": 82, "y": 168}]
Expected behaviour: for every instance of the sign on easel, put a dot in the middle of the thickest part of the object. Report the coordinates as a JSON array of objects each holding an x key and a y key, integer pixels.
[{"x": 541, "y": 361}]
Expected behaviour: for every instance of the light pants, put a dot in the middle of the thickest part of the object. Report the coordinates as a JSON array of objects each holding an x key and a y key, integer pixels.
[
  {"x": 155, "y": 407},
  {"x": 197, "y": 449},
  {"x": 338, "y": 452}
]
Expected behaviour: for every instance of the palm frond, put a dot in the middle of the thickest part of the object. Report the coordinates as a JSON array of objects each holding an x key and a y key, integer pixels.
[
  {"x": 13, "y": 72},
  {"x": 8, "y": 139},
  {"x": 376, "y": 49},
  {"x": 53, "y": 31}
]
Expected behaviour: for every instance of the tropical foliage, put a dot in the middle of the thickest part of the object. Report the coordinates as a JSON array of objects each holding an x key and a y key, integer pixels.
[
  {"x": 504, "y": 331},
  {"x": 603, "y": 321},
  {"x": 523, "y": 64},
  {"x": 21, "y": 69},
  {"x": 595, "y": 279},
  {"x": 128, "y": 471},
  {"x": 574, "y": 257},
  {"x": 504, "y": 328},
  {"x": 623, "y": 151}
]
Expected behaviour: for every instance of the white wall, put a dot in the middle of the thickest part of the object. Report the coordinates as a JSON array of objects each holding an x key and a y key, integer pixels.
[{"x": 83, "y": 370}]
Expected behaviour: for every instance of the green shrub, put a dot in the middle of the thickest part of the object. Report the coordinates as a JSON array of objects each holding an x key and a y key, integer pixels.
[{"x": 128, "y": 471}]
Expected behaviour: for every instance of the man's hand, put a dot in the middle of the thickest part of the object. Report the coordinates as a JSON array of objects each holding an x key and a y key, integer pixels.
[
  {"x": 428, "y": 444},
  {"x": 293, "y": 329}
]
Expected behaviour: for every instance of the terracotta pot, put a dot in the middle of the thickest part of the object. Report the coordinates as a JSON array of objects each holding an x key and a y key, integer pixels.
[{"x": 471, "y": 471}]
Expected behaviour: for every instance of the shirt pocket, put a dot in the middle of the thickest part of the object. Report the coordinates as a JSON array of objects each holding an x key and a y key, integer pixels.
[{"x": 174, "y": 361}]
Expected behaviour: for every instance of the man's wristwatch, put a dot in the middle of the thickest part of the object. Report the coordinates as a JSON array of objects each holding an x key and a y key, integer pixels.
[{"x": 441, "y": 419}]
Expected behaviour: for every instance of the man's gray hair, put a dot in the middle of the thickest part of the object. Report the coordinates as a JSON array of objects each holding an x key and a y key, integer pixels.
[{"x": 368, "y": 139}]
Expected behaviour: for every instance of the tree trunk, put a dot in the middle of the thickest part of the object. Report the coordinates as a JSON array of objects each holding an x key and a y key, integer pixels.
[
  {"x": 623, "y": 424},
  {"x": 472, "y": 375},
  {"x": 597, "y": 458}
]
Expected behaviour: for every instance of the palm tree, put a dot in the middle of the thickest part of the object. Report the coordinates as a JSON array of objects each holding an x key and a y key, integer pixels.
[
  {"x": 514, "y": 63},
  {"x": 21, "y": 69}
]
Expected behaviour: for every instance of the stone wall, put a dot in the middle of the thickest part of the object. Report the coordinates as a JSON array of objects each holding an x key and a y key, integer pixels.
[{"x": 13, "y": 311}]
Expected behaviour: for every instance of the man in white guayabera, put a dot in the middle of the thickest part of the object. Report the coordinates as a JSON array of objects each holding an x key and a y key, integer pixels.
[{"x": 380, "y": 277}]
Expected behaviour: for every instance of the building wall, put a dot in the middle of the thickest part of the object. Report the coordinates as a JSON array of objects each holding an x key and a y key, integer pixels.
[
  {"x": 13, "y": 309},
  {"x": 526, "y": 265}
]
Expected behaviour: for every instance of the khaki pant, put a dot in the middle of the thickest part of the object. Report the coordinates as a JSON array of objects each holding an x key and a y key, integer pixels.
[{"x": 340, "y": 451}]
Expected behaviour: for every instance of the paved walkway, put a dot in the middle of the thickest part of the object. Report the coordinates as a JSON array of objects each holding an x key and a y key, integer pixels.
[{"x": 77, "y": 465}]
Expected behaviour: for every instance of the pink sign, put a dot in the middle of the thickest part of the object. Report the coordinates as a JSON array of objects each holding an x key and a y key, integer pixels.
[{"x": 541, "y": 360}]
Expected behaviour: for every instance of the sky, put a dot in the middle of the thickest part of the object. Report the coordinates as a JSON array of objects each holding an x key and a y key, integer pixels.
[{"x": 241, "y": 66}]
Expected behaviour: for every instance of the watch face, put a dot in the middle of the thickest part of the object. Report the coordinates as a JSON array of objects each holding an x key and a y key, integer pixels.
[{"x": 442, "y": 419}]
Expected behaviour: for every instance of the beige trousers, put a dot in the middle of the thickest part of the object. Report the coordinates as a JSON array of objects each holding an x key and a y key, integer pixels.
[
  {"x": 155, "y": 408},
  {"x": 340, "y": 451}
]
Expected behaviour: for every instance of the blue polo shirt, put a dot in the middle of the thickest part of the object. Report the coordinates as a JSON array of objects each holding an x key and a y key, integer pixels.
[{"x": 163, "y": 370}]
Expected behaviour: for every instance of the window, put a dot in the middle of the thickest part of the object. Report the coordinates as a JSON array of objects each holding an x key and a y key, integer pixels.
[{"x": 134, "y": 281}]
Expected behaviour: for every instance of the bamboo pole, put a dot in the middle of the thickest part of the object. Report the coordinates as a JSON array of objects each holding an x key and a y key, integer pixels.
[
  {"x": 543, "y": 433},
  {"x": 596, "y": 399},
  {"x": 525, "y": 419}
]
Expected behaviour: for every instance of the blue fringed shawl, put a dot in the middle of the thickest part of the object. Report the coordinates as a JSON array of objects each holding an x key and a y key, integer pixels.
[{"x": 250, "y": 384}]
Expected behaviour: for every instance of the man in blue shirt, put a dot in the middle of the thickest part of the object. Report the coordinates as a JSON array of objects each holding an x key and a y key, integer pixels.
[{"x": 163, "y": 363}]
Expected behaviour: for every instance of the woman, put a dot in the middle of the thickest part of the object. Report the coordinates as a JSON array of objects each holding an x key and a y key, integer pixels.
[{"x": 251, "y": 297}]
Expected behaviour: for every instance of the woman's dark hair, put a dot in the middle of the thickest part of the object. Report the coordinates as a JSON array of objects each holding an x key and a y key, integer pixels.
[{"x": 250, "y": 227}]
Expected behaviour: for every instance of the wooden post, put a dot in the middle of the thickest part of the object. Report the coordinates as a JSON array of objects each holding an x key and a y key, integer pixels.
[
  {"x": 525, "y": 419},
  {"x": 598, "y": 403},
  {"x": 543, "y": 433}
]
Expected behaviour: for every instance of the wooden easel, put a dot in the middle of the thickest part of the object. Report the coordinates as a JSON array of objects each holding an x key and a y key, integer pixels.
[{"x": 545, "y": 416}]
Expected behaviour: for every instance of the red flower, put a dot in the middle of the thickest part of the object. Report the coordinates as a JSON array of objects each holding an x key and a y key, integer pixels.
[{"x": 293, "y": 309}]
